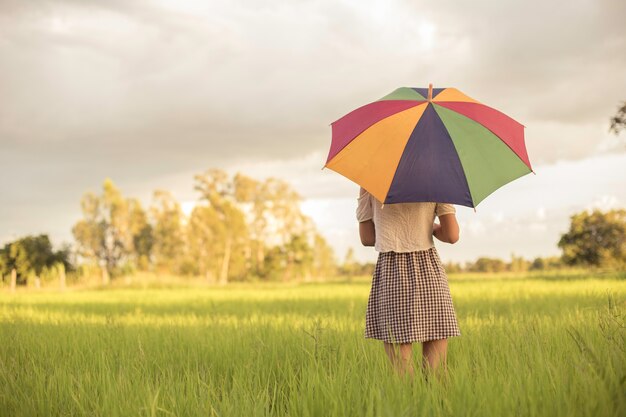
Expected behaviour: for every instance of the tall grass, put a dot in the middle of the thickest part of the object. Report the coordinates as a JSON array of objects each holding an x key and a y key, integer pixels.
[{"x": 529, "y": 347}]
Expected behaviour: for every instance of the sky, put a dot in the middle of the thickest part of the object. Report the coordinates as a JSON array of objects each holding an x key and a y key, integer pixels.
[{"x": 150, "y": 93}]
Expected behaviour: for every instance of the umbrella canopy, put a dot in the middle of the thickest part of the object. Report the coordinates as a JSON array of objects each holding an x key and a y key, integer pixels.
[{"x": 428, "y": 144}]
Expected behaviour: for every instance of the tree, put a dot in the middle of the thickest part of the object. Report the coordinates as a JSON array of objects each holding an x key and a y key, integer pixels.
[
  {"x": 518, "y": 264},
  {"x": 89, "y": 232},
  {"x": 274, "y": 217},
  {"x": 141, "y": 234},
  {"x": 217, "y": 190},
  {"x": 324, "y": 263},
  {"x": 284, "y": 206},
  {"x": 204, "y": 234},
  {"x": 104, "y": 233},
  {"x": 548, "y": 263},
  {"x": 538, "y": 264},
  {"x": 453, "y": 267},
  {"x": 485, "y": 264},
  {"x": 299, "y": 256},
  {"x": 167, "y": 233},
  {"x": 618, "y": 122},
  {"x": 252, "y": 198},
  {"x": 30, "y": 256},
  {"x": 289, "y": 227},
  {"x": 118, "y": 239},
  {"x": 114, "y": 232},
  {"x": 350, "y": 264},
  {"x": 595, "y": 239}
]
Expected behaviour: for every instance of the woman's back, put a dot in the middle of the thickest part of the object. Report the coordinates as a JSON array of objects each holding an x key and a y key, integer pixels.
[{"x": 401, "y": 227}]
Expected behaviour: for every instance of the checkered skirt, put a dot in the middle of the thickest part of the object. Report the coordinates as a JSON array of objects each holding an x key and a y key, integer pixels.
[{"x": 410, "y": 299}]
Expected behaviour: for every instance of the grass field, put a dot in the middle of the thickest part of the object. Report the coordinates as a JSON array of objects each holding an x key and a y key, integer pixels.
[{"x": 529, "y": 347}]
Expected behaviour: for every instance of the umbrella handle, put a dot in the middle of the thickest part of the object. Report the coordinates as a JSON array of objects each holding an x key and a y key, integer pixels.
[{"x": 430, "y": 92}]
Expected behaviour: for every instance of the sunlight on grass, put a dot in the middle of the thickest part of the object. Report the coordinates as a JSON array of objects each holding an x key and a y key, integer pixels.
[{"x": 528, "y": 347}]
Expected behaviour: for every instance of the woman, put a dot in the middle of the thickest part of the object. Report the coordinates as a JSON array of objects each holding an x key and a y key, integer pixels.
[{"x": 409, "y": 299}]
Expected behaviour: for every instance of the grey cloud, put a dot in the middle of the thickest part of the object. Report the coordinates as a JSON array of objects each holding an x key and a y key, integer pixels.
[{"x": 552, "y": 61}]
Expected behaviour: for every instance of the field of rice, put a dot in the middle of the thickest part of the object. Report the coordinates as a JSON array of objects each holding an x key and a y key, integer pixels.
[{"x": 530, "y": 346}]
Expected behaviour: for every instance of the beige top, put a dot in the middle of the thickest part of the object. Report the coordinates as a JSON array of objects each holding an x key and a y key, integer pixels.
[{"x": 401, "y": 227}]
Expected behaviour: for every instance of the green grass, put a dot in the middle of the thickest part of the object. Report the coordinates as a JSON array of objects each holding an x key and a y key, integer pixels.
[{"x": 551, "y": 346}]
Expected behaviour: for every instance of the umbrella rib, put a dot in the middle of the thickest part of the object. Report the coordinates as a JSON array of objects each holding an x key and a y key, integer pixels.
[
  {"x": 486, "y": 127},
  {"x": 463, "y": 167},
  {"x": 417, "y": 103}
]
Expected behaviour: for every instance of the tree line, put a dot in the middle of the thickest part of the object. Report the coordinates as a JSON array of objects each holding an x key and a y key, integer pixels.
[
  {"x": 243, "y": 229},
  {"x": 239, "y": 228},
  {"x": 595, "y": 239},
  {"x": 516, "y": 264}
]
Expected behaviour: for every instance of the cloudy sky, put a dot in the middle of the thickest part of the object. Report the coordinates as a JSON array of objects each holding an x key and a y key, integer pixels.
[{"x": 150, "y": 93}]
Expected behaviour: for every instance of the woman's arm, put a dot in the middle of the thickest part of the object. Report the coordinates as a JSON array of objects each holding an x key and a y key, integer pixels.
[
  {"x": 448, "y": 229},
  {"x": 367, "y": 233},
  {"x": 364, "y": 216}
]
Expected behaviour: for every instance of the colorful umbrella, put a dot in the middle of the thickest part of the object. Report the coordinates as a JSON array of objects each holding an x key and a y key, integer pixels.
[{"x": 428, "y": 144}]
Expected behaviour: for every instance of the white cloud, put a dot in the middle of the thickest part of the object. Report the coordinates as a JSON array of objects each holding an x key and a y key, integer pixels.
[
  {"x": 604, "y": 202},
  {"x": 541, "y": 213},
  {"x": 497, "y": 217}
]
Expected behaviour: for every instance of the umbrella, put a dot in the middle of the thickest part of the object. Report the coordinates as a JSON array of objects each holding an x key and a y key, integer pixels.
[{"x": 428, "y": 144}]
